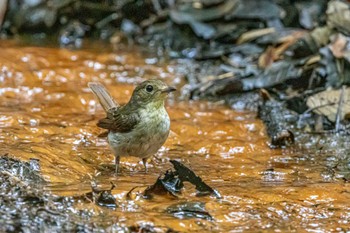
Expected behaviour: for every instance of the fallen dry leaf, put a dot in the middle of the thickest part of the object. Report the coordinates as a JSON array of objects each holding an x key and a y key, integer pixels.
[
  {"x": 254, "y": 34},
  {"x": 338, "y": 45},
  {"x": 313, "y": 60},
  {"x": 326, "y": 103},
  {"x": 338, "y": 16},
  {"x": 267, "y": 57},
  {"x": 320, "y": 35},
  {"x": 273, "y": 54}
]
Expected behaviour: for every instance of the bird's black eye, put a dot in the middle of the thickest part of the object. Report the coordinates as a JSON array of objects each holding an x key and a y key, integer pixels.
[{"x": 149, "y": 88}]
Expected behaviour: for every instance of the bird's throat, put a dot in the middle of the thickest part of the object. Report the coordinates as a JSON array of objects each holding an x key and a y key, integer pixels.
[{"x": 156, "y": 105}]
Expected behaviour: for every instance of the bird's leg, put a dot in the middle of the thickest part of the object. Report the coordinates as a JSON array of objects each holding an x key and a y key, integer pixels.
[
  {"x": 144, "y": 161},
  {"x": 117, "y": 160}
]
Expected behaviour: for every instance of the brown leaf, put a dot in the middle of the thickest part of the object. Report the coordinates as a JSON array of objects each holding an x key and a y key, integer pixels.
[
  {"x": 338, "y": 45},
  {"x": 254, "y": 34},
  {"x": 273, "y": 54},
  {"x": 327, "y": 103},
  {"x": 267, "y": 57}
]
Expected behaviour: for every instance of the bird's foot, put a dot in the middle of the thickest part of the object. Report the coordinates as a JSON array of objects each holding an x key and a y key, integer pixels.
[
  {"x": 117, "y": 167},
  {"x": 144, "y": 161}
]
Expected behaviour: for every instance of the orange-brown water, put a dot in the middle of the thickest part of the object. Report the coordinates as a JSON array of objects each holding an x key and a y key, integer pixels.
[{"x": 48, "y": 113}]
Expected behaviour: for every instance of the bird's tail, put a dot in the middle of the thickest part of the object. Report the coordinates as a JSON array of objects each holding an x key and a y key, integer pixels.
[{"x": 103, "y": 96}]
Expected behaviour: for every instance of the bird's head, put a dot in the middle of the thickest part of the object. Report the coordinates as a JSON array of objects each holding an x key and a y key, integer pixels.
[{"x": 151, "y": 92}]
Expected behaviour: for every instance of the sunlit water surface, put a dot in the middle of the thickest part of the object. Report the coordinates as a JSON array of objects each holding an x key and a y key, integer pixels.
[{"x": 47, "y": 112}]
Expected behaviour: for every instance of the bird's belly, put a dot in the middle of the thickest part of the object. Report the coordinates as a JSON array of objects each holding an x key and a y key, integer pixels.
[{"x": 141, "y": 142}]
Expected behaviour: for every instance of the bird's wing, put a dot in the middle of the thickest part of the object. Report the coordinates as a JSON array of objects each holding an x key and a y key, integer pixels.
[{"x": 118, "y": 120}]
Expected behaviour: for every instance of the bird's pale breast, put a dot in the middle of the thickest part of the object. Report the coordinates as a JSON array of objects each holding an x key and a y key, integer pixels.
[{"x": 146, "y": 138}]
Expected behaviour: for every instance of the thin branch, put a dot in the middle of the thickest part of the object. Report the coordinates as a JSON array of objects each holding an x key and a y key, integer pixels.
[{"x": 339, "y": 110}]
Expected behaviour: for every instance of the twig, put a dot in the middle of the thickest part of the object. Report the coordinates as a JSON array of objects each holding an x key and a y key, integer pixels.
[
  {"x": 3, "y": 8},
  {"x": 317, "y": 107},
  {"x": 339, "y": 110}
]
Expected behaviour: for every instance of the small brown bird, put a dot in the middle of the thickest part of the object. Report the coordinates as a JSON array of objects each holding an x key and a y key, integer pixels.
[{"x": 140, "y": 127}]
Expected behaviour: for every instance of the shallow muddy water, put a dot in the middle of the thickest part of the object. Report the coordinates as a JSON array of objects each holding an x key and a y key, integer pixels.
[{"x": 48, "y": 113}]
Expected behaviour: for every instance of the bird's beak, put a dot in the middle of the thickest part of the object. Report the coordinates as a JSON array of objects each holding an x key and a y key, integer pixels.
[{"x": 168, "y": 90}]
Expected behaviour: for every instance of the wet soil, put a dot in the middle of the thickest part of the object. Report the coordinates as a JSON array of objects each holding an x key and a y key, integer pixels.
[{"x": 48, "y": 113}]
